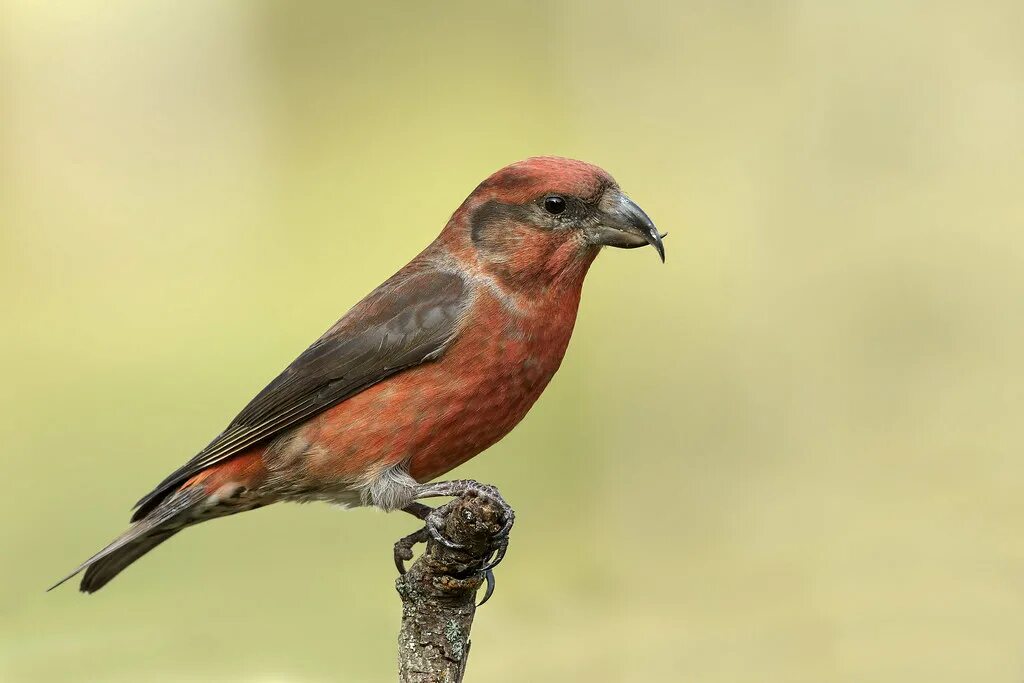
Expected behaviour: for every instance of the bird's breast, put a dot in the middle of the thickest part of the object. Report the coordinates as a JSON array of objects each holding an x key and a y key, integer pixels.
[
  {"x": 493, "y": 374},
  {"x": 437, "y": 415}
]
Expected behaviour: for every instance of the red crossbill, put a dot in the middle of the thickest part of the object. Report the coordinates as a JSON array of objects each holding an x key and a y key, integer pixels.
[{"x": 431, "y": 368}]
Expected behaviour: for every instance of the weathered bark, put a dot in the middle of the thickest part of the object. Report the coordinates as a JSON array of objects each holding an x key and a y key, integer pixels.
[{"x": 439, "y": 595}]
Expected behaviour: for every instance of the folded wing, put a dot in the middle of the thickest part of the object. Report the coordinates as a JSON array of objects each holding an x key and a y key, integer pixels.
[{"x": 410, "y": 319}]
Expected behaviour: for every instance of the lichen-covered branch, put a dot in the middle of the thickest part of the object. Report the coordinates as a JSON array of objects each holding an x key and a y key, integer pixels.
[{"x": 439, "y": 595}]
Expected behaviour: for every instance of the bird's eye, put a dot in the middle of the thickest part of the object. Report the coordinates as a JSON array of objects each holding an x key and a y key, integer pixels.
[{"x": 554, "y": 204}]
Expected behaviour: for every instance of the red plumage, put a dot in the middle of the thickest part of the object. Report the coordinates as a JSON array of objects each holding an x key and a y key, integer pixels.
[{"x": 433, "y": 367}]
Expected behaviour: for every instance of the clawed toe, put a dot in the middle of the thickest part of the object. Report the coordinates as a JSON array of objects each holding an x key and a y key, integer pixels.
[
  {"x": 489, "y": 578},
  {"x": 510, "y": 518},
  {"x": 435, "y": 527},
  {"x": 497, "y": 555},
  {"x": 403, "y": 547}
]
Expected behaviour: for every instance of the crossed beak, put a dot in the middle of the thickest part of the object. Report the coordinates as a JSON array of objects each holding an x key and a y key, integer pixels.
[{"x": 623, "y": 224}]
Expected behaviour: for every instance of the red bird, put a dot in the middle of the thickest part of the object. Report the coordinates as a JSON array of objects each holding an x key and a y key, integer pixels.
[{"x": 431, "y": 368}]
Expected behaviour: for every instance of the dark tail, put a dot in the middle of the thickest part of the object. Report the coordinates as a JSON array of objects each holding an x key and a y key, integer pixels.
[
  {"x": 102, "y": 570},
  {"x": 142, "y": 536}
]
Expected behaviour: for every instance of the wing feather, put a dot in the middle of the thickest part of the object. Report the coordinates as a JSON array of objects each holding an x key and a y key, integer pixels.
[{"x": 409, "y": 320}]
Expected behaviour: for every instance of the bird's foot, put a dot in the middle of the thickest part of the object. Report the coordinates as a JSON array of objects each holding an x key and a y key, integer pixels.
[
  {"x": 404, "y": 545},
  {"x": 434, "y": 520},
  {"x": 463, "y": 488}
]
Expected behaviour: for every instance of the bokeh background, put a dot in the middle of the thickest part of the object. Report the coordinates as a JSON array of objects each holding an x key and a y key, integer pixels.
[{"x": 793, "y": 453}]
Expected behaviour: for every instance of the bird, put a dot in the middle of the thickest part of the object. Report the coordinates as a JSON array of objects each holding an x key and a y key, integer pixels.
[{"x": 431, "y": 368}]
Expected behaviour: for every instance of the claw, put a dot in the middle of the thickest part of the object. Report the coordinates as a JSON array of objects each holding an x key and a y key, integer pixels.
[
  {"x": 489, "y": 578},
  {"x": 439, "y": 536},
  {"x": 497, "y": 557}
]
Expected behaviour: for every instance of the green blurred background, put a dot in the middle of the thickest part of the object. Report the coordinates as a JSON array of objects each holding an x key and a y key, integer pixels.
[{"x": 791, "y": 454}]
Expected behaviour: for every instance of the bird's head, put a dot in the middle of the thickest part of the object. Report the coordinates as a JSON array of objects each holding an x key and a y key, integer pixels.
[{"x": 543, "y": 220}]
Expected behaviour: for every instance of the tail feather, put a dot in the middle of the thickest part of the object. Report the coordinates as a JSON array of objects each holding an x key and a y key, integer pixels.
[
  {"x": 100, "y": 571},
  {"x": 141, "y": 537}
]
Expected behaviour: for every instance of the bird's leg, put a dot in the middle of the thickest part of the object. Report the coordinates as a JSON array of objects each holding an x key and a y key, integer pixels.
[{"x": 418, "y": 510}]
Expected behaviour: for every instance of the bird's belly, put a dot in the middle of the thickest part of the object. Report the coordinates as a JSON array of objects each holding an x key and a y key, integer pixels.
[{"x": 434, "y": 417}]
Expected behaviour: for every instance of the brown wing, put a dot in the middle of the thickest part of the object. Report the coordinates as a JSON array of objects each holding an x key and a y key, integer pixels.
[{"x": 408, "y": 320}]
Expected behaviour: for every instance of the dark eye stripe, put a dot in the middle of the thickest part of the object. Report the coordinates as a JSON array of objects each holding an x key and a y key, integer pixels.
[{"x": 494, "y": 212}]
